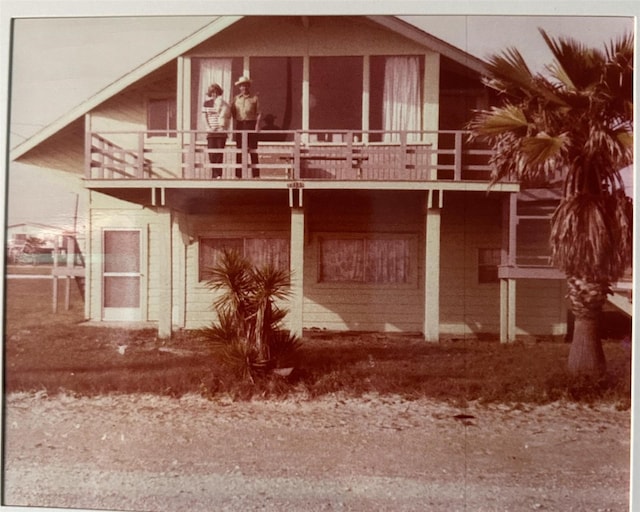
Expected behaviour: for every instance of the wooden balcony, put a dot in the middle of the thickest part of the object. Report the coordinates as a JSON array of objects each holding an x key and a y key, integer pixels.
[{"x": 299, "y": 156}]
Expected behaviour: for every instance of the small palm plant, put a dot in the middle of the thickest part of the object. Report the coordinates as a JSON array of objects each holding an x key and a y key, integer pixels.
[{"x": 249, "y": 323}]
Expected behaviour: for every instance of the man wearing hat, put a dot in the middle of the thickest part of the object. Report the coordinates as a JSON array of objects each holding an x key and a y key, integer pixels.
[
  {"x": 245, "y": 110},
  {"x": 217, "y": 114}
]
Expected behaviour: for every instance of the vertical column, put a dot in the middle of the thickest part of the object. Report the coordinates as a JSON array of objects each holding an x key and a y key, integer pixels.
[
  {"x": 305, "y": 93},
  {"x": 507, "y": 310},
  {"x": 165, "y": 265},
  {"x": 88, "y": 141},
  {"x": 508, "y": 263},
  {"x": 93, "y": 264},
  {"x": 511, "y": 321},
  {"x": 179, "y": 245},
  {"x": 366, "y": 96},
  {"x": 297, "y": 265},
  {"x": 431, "y": 105},
  {"x": 184, "y": 110},
  {"x": 432, "y": 267}
]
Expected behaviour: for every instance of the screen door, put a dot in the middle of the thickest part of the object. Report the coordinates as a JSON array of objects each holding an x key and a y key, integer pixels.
[{"x": 121, "y": 277}]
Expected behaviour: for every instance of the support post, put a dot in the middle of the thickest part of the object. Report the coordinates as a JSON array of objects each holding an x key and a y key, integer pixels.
[
  {"x": 165, "y": 304},
  {"x": 297, "y": 267},
  {"x": 511, "y": 317},
  {"x": 508, "y": 259},
  {"x": 432, "y": 268}
]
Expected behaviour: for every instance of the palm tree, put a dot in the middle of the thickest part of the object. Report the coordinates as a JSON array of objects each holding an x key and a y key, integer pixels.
[{"x": 573, "y": 123}]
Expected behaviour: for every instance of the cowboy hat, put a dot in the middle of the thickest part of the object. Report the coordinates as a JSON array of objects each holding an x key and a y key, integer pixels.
[{"x": 243, "y": 80}]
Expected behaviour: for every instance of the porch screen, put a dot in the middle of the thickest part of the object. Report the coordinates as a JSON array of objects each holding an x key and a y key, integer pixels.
[
  {"x": 401, "y": 97},
  {"x": 335, "y": 93},
  {"x": 258, "y": 251},
  {"x": 362, "y": 260}
]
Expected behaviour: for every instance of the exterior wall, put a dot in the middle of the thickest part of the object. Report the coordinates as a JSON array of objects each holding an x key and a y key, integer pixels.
[
  {"x": 326, "y": 305},
  {"x": 368, "y": 307},
  {"x": 269, "y": 216},
  {"x": 541, "y": 308},
  {"x": 469, "y": 221},
  {"x": 322, "y": 35},
  {"x": 108, "y": 213}
]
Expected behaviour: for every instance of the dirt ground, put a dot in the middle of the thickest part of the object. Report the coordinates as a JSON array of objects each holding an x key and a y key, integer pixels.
[{"x": 150, "y": 453}]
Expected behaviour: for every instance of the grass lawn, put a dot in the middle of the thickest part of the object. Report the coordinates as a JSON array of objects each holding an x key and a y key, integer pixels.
[{"x": 53, "y": 353}]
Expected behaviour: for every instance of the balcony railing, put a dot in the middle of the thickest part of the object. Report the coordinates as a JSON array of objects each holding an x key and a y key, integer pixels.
[{"x": 292, "y": 155}]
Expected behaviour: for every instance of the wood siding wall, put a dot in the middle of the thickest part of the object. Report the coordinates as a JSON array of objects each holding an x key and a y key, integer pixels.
[
  {"x": 365, "y": 307},
  {"x": 469, "y": 222},
  {"x": 272, "y": 219},
  {"x": 541, "y": 308}
]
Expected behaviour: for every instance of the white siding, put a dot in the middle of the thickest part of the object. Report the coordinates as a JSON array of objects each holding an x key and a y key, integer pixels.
[
  {"x": 361, "y": 306},
  {"x": 240, "y": 221},
  {"x": 469, "y": 222},
  {"x": 124, "y": 215},
  {"x": 541, "y": 307},
  {"x": 324, "y": 36}
]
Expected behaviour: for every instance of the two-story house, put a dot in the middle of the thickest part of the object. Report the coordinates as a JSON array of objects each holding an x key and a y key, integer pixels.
[{"x": 365, "y": 185}]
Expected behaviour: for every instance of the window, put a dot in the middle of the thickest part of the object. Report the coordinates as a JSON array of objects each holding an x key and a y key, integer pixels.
[
  {"x": 532, "y": 247},
  {"x": 396, "y": 95},
  {"x": 335, "y": 88},
  {"x": 258, "y": 251},
  {"x": 205, "y": 71},
  {"x": 161, "y": 115},
  {"x": 364, "y": 260},
  {"x": 488, "y": 261},
  {"x": 278, "y": 82}
]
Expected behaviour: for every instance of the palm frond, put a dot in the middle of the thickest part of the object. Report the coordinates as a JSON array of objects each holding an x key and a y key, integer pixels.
[
  {"x": 509, "y": 72},
  {"x": 591, "y": 236},
  {"x": 497, "y": 120},
  {"x": 543, "y": 148},
  {"x": 577, "y": 66}
]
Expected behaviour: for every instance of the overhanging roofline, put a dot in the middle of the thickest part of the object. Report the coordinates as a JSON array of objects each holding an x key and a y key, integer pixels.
[
  {"x": 112, "y": 89},
  {"x": 217, "y": 25},
  {"x": 425, "y": 39}
]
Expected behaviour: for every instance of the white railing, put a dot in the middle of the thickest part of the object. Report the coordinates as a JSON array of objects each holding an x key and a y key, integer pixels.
[{"x": 295, "y": 155}]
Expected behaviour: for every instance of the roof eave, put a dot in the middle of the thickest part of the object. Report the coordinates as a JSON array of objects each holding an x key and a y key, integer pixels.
[
  {"x": 209, "y": 30},
  {"x": 438, "y": 45},
  {"x": 112, "y": 89}
]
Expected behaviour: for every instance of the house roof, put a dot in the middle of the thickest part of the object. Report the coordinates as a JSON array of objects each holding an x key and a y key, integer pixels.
[
  {"x": 217, "y": 25},
  {"x": 35, "y": 225}
]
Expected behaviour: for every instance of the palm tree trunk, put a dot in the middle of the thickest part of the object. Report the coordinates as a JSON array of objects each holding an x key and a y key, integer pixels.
[{"x": 587, "y": 298}]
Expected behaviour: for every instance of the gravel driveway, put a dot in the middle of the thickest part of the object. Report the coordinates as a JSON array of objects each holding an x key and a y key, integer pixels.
[{"x": 149, "y": 453}]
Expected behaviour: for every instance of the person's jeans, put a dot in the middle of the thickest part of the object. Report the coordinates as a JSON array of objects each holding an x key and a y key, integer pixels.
[{"x": 217, "y": 142}]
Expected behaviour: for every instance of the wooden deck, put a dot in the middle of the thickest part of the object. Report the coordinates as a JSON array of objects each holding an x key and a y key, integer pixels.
[{"x": 289, "y": 155}]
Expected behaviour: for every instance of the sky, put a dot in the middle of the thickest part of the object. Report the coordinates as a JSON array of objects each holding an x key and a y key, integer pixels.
[{"x": 58, "y": 62}]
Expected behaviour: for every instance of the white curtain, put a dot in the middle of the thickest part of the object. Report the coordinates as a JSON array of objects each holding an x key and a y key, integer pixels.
[
  {"x": 212, "y": 71},
  {"x": 401, "y": 97}
]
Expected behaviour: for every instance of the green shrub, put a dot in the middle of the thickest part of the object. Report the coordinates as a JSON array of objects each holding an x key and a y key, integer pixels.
[{"x": 247, "y": 337}]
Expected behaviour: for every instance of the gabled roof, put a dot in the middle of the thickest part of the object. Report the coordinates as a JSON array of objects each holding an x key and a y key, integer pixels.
[
  {"x": 36, "y": 226},
  {"x": 217, "y": 25}
]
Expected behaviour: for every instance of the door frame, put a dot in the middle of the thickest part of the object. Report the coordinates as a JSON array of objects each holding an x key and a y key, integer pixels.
[{"x": 125, "y": 314}]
